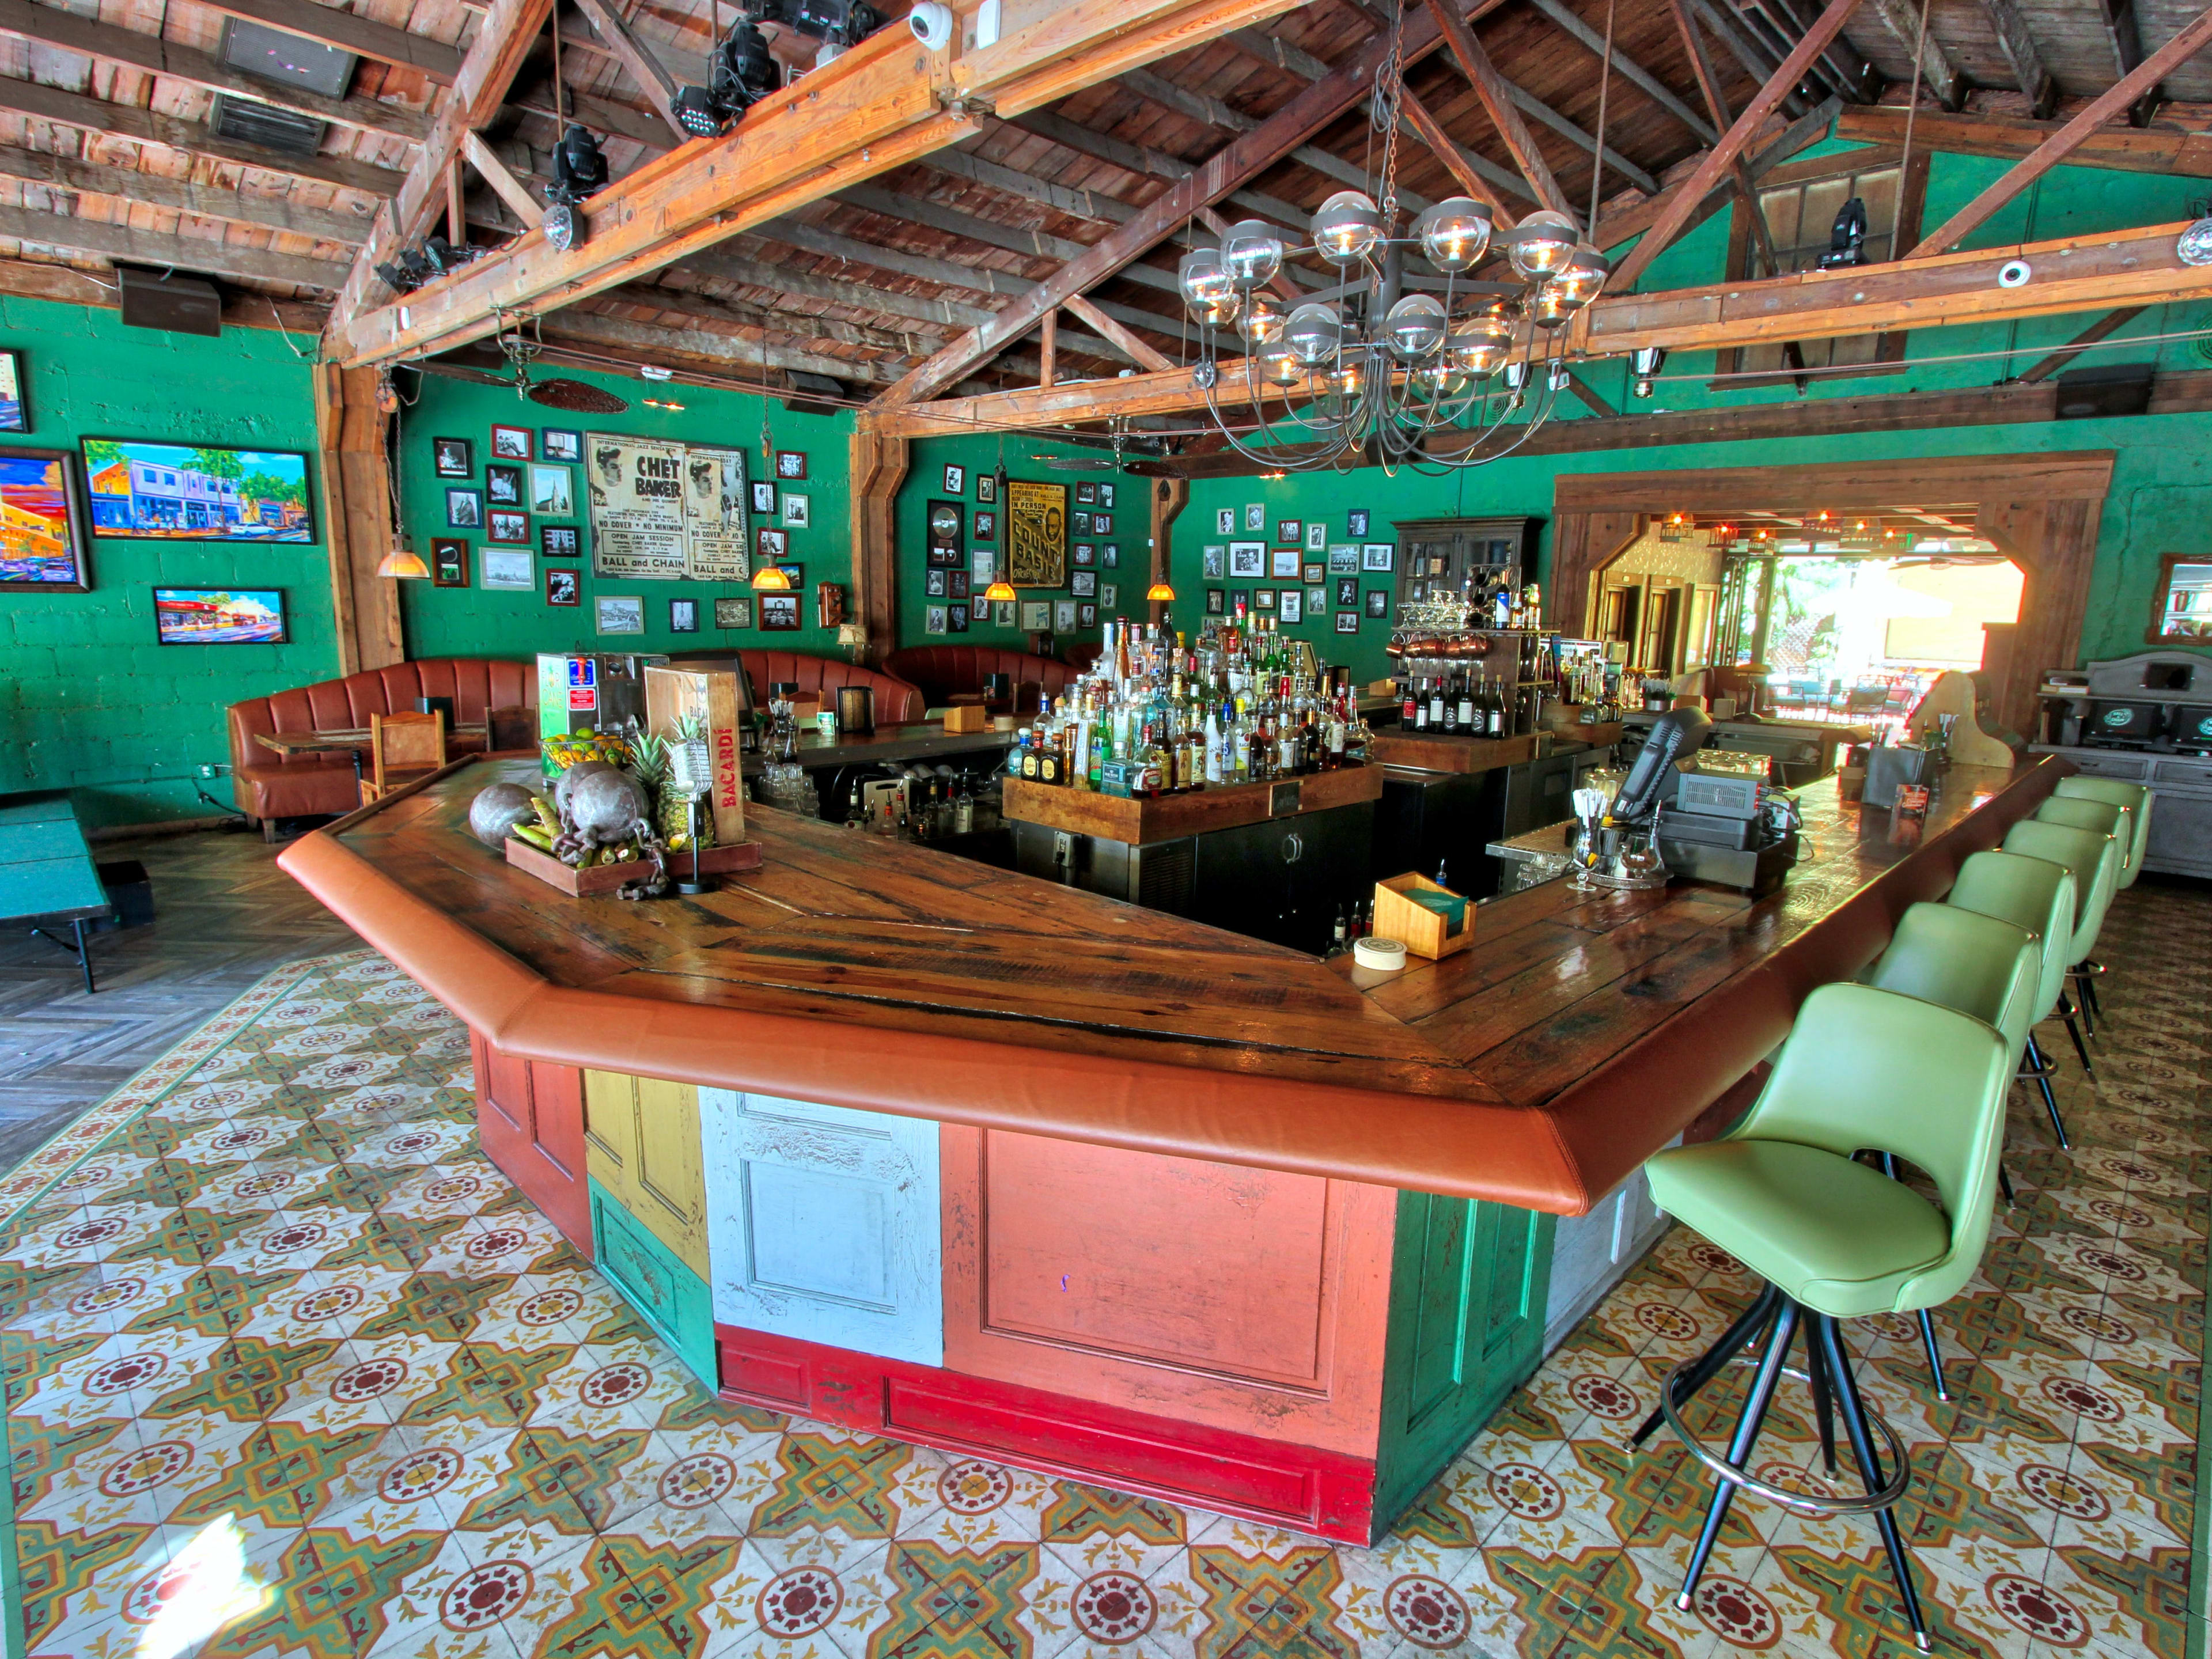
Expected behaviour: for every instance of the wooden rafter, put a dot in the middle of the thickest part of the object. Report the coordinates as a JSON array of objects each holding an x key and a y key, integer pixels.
[
  {"x": 2161, "y": 150},
  {"x": 2064, "y": 143},
  {"x": 184, "y": 195},
  {"x": 1464, "y": 166},
  {"x": 2103, "y": 329},
  {"x": 1938, "y": 77},
  {"x": 99, "y": 239},
  {"x": 1629, "y": 70},
  {"x": 2018, "y": 47},
  {"x": 1497, "y": 101},
  {"x": 1723, "y": 156},
  {"x": 1139, "y": 353},
  {"x": 645, "y": 70},
  {"x": 495, "y": 173}
]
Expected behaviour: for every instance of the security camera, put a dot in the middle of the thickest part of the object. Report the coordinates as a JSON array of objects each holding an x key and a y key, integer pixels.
[{"x": 932, "y": 23}]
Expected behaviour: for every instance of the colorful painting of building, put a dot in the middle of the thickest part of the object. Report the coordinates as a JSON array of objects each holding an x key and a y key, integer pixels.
[
  {"x": 34, "y": 539},
  {"x": 170, "y": 491},
  {"x": 196, "y": 615}
]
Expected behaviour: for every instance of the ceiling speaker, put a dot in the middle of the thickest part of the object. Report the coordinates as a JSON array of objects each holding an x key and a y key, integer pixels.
[{"x": 175, "y": 304}]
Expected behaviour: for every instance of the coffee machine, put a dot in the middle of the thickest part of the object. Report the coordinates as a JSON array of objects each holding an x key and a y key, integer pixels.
[{"x": 2145, "y": 719}]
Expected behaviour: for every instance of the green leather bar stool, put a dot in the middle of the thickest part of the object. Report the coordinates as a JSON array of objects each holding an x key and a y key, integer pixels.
[
  {"x": 1833, "y": 1238},
  {"x": 2136, "y": 797},
  {"x": 2117, "y": 822},
  {"x": 1979, "y": 965},
  {"x": 2094, "y": 861},
  {"x": 2037, "y": 896}
]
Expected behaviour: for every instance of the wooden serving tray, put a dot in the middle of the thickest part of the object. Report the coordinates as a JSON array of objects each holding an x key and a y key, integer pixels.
[
  {"x": 1142, "y": 822},
  {"x": 603, "y": 878},
  {"x": 1435, "y": 751}
]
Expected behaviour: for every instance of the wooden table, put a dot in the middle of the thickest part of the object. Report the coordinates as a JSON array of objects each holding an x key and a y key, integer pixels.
[
  {"x": 46, "y": 871},
  {"x": 355, "y": 741}
]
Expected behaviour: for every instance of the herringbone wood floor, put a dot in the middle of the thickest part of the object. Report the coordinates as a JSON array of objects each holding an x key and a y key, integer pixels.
[{"x": 224, "y": 915}]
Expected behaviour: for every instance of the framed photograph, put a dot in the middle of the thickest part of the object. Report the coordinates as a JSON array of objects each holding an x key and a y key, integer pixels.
[
  {"x": 1263, "y": 598},
  {"x": 779, "y": 613},
  {"x": 771, "y": 544},
  {"x": 553, "y": 491},
  {"x": 1108, "y": 595},
  {"x": 1375, "y": 556},
  {"x": 956, "y": 480},
  {"x": 210, "y": 615},
  {"x": 956, "y": 617},
  {"x": 683, "y": 616},
  {"x": 1256, "y": 516},
  {"x": 1083, "y": 553},
  {"x": 511, "y": 443},
  {"x": 1311, "y": 574},
  {"x": 560, "y": 541},
  {"x": 763, "y": 495},
  {"x": 1086, "y": 494},
  {"x": 507, "y": 569},
  {"x": 1347, "y": 622},
  {"x": 1037, "y": 616},
  {"x": 1086, "y": 616},
  {"x": 503, "y": 485},
  {"x": 1110, "y": 557},
  {"x": 1316, "y": 535},
  {"x": 1292, "y": 532},
  {"x": 1105, "y": 493},
  {"x": 936, "y": 619},
  {"x": 464, "y": 509},
  {"x": 559, "y": 444},
  {"x": 734, "y": 613},
  {"x": 1317, "y": 601},
  {"x": 1063, "y": 615},
  {"x": 1214, "y": 562},
  {"x": 453, "y": 458},
  {"x": 1347, "y": 592},
  {"x": 789, "y": 464},
  {"x": 795, "y": 511},
  {"x": 794, "y": 574},
  {"x": 942, "y": 528},
  {"x": 1248, "y": 559},
  {"x": 1083, "y": 584},
  {"x": 1283, "y": 564},
  {"x": 1344, "y": 560},
  {"x": 1224, "y": 521},
  {"x": 14, "y": 412},
  {"x": 1378, "y": 601},
  {"x": 1239, "y": 602},
  {"x": 45, "y": 544},
  {"x": 192, "y": 493},
  {"x": 985, "y": 527},
  {"x": 1290, "y": 605},
  {"x": 512, "y": 528},
  {"x": 1101, "y": 524},
  {"x": 956, "y": 583},
  {"x": 1037, "y": 533},
  {"x": 978, "y": 609},
  {"x": 933, "y": 583},
  {"x": 1216, "y": 601},
  {"x": 1002, "y": 610},
  {"x": 1080, "y": 525},
  {"x": 1356, "y": 522},
  {"x": 449, "y": 562},
  {"x": 982, "y": 563},
  {"x": 987, "y": 491},
  {"x": 563, "y": 587}
]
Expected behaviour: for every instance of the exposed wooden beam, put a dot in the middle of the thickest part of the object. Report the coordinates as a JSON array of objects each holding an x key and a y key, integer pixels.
[
  {"x": 63, "y": 30},
  {"x": 645, "y": 69},
  {"x": 1837, "y": 63},
  {"x": 1093, "y": 204},
  {"x": 803, "y": 326},
  {"x": 1459, "y": 163},
  {"x": 2123, "y": 29},
  {"x": 2104, "y": 328},
  {"x": 508, "y": 188},
  {"x": 1272, "y": 49},
  {"x": 1750, "y": 54},
  {"x": 121, "y": 243},
  {"x": 573, "y": 323},
  {"x": 1629, "y": 70},
  {"x": 72, "y": 109},
  {"x": 724, "y": 265},
  {"x": 2161, "y": 150},
  {"x": 365, "y": 37},
  {"x": 2070, "y": 137},
  {"x": 1938, "y": 75},
  {"x": 1723, "y": 156},
  {"x": 184, "y": 195},
  {"x": 1047, "y": 349},
  {"x": 2022, "y": 57},
  {"x": 1137, "y": 351},
  {"x": 1498, "y": 102},
  {"x": 1585, "y": 141},
  {"x": 882, "y": 103}
]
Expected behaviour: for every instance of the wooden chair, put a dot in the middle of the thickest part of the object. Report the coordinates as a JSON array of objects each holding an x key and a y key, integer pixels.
[
  {"x": 401, "y": 749},
  {"x": 506, "y": 730}
]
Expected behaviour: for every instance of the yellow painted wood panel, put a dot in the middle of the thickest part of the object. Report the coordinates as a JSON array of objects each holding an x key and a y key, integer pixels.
[{"x": 641, "y": 1144}]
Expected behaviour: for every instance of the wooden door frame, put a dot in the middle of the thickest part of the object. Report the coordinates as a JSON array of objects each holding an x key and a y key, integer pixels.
[{"x": 2042, "y": 511}]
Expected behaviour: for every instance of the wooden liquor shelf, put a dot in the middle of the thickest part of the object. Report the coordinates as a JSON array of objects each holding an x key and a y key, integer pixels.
[
  {"x": 1144, "y": 823},
  {"x": 1436, "y": 752}
]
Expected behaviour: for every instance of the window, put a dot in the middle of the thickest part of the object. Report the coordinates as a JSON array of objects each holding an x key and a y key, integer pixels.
[
  {"x": 2181, "y": 611},
  {"x": 1799, "y": 202}
]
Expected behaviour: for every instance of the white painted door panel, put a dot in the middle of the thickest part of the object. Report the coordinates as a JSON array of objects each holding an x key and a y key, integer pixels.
[{"x": 822, "y": 1222}]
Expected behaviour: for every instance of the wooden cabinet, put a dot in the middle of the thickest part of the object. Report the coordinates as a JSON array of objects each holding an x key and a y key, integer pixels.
[
  {"x": 530, "y": 1117},
  {"x": 641, "y": 1146},
  {"x": 823, "y": 1222},
  {"x": 1438, "y": 557},
  {"x": 1590, "y": 1252},
  {"x": 653, "y": 1280}
]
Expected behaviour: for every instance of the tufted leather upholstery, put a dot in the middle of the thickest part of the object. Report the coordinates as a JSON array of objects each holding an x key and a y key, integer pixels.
[
  {"x": 897, "y": 702},
  {"x": 944, "y": 670},
  {"x": 268, "y": 784}
]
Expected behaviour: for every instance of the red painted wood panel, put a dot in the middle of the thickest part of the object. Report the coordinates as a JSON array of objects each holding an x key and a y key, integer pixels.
[
  {"x": 530, "y": 1117},
  {"x": 1271, "y": 1479},
  {"x": 1246, "y": 1300}
]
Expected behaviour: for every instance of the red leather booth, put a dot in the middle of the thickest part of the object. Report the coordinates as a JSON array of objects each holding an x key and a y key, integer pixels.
[
  {"x": 943, "y": 671},
  {"x": 268, "y": 785},
  {"x": 898, "y": 701}
]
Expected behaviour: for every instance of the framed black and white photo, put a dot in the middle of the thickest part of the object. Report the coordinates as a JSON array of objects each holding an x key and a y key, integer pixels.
[
  {"x": 1255, "y": 517},
  {"x": 935, "y": 619},
  {"x": 1037, "y": 616},
  {"x": 1002, "y": 610},
  {"x": 1063, "y": 615},
  {"x": 1347, "y": 622},
  {"x": 1083, "y": 584},
  {"x": 1086, "y": 616},
  {"x": 1311, "y": 574},
  {"x": 956, "y": 480},
  {"x": 1283, "y": 564},
  {"x": 1317, "y": 601},
  {"x": 1105, "y": 494},
  {"x": 956, "y": 583},
  {"x": 1316, "y": 535},
  {"x": 560, "y": 541},
  {"x": 1079, "y": 524},
  {"x": 1292, "y": 532},
  {"x": 955, "y": 617},
  {"x": 1343, "y": 560},
  {"x": 1375, "y": 556},
  {"x": 507, "y": 569},
  {"x": 789, "y": 464},
  {"x": 1248, "y": 559},
  {"x": 453, "y": 458},
  {"x": 1101, "y": 524},
  {"x": 503, "y": 485},
  {"x": 1086, "y": 494},
  {"x": 933, "y": 583},
  {"x": 1214, "y": 562},
  {"x": 464, "y": 509},
  {"x": 779, "y": 613},
  {"x": 734, "y": 613},
  {"x": 1108, "y": 595},
  {"x": 987, "y": 491},
  {"x": 984, "y": 527},
  {"x": 683, "y": 616},
  {"x": 511, "y": 443},
  {"x": 511, "y": 528},
  {"x": 1083, "y": 553},
  {"x": 559, "y": 444},
  {"x": 1347, "y": 592},
  {"x": 1290, "y": 605},
  {"x": 771, "y": 545},
  {"x": 1263, "y": 598},
  {"x": 795, "y": 511},
  {"x": 1378, "y": 601},
  {"x": 1216, "y": 601},
  {"x": 763, "y": 495},
  {"x": 1109, "y": 557},
  {"x": 619, "y": 613},
  {"x": 1224, "y": 521},
  {"x": 563, "y": 586},
  {"x": 1356, "y": 522},
  {"x": 449, "y": 562},
  {"x": 978, "y": 609}
]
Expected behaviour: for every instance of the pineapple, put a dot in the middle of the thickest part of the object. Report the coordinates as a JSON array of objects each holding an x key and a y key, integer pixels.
[{"x": 648, "y": 760}]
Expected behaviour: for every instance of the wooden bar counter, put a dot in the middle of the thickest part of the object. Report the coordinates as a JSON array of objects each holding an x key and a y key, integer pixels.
[{"x": 895, "y": 1139}]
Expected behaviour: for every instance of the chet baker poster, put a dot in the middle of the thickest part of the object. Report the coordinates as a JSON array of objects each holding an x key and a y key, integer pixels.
[{"x": 663, "y": 510}]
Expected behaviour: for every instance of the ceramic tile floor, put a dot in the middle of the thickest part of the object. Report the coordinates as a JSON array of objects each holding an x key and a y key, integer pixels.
[{"x": 289, "y": 1370}]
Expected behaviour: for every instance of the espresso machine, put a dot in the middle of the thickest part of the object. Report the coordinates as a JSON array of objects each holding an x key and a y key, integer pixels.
[{"x": 2145, "y": 719}]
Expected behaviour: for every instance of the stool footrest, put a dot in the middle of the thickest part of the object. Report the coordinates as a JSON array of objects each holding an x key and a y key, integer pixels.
[{"x": 1803, "y": 1503}]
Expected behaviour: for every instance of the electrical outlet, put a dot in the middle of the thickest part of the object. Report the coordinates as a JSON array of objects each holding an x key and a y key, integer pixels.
[{"x": 219, "y": 769}]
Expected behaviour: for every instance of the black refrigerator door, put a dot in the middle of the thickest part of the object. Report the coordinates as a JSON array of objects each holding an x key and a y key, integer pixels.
[{"x": 1284, "y": 880}]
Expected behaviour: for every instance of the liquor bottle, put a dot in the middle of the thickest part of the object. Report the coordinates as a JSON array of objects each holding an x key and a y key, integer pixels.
[
  {"x": 1496, "y": 715},
  {"x": 1028, "y": 759},
  {"x": 1420, "y": 706},
  {"x": 1465, "y": 705}
]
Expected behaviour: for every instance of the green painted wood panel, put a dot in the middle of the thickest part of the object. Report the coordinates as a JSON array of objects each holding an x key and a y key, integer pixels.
[
  {"x": 653, "y": 1279},
  {"x": 1467, "y": 1287}
]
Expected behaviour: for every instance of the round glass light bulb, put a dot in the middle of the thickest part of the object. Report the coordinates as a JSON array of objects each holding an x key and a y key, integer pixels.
[
  {"x": 1280, "y": 368},
  {"x": 1454, "y": 234},
  {"x": 1439, "y": 382},
  {"x": 1551, "y": 305},
  {"x": 1252, "y": 252},
  {"x": 1540, "y": 244},
  {"x": 1348, "y": 227},
  {"x": 1220, "y": 312},
  {"x": 1480, "y": 345},
  {"x": 1203, "y": 277},
  {"x": 1584, "y": 272},
  {"x": 1314, "y": 332},
  {"x": 1414, "y": 329},
  {"x": 1262, "y": 321},
  {"x": 1347, "y": 378}
]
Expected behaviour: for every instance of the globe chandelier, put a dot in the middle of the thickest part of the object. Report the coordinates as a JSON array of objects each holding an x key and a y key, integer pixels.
[{"x": 1417, "y": 340}]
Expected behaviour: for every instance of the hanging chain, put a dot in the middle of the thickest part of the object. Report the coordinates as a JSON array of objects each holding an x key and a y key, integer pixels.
[{"x": 1384, "y": 113}]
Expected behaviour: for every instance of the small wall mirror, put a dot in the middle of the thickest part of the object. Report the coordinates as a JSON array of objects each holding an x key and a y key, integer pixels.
[{"x": 2181, "y": 614}]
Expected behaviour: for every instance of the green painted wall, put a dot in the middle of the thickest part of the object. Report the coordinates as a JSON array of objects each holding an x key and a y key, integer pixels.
[
  {"x": 477, "y": 622},
  {"x": 87, "y": 700}
]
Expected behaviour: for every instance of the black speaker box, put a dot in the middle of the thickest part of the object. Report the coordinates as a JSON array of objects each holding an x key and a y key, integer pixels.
[{"x": 175, "y": 304}]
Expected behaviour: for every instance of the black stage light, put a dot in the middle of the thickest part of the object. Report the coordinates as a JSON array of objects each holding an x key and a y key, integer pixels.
[
  {"x": 579, "y": 171},
  {"x": 1847, "y": 239}
]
